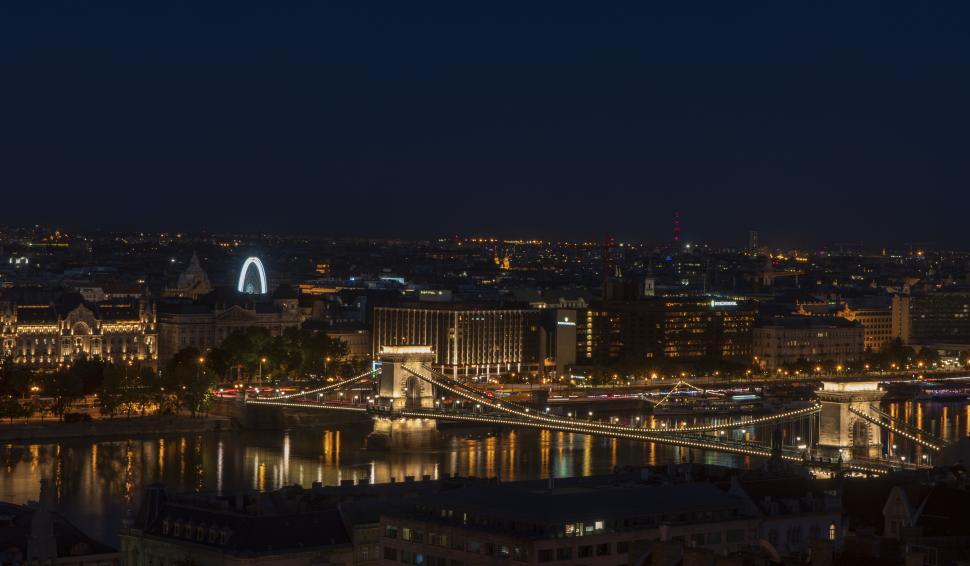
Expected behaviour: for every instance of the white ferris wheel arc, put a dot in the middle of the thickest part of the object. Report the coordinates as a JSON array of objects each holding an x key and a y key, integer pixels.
[{"x": 258, "y": 264}]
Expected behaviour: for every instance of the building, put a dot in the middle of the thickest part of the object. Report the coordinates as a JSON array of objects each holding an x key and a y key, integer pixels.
[
  {"x": 467, "y": 340},
  {"x": 46, "y": 328},
  {"x": 876, "y": 318},
  {"x": 34, "y": 534},
  {"x": 584, "y": 521},
  {"x": 930, "y": 520},
  {"x": 874, "y": 314},
  {"x": 209, "y": 530},
  {"x": 795, "y": 512},
  {"x": 192, "y": 283},
  {"x": 933, "y": 316},
  {"x": 205, "y": 322},
  {"x": 677, "y": 328},
  {"x": 336, "y": 525},
  {"x": 630, "y": 517},
  {"x": 807, "y": 339}
]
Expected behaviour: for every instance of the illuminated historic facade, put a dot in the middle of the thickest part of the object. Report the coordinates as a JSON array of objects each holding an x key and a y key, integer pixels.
[
  {"x": 45, "y": 329},
  {"x": 206, "y": 322},
  {"x": 789, "y": 340}
]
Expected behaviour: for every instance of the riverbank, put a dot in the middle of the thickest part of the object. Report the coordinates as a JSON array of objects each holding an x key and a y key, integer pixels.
[{"x": 107, "y": 428}]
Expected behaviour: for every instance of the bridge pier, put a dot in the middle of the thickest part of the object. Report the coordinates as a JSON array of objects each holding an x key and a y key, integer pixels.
[
  {"x": 842, "y": 432},
  {"x": 399, "y": 389},
  {"x": 402, "y": 433}
]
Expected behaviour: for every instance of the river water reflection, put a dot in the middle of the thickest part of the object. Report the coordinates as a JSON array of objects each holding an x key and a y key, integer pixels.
[{"x": 97, "y": 481}]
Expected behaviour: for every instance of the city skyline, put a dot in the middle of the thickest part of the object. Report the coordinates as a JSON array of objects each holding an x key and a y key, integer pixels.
[
  {"x": 393, "y": 283},
  {"x": 568, "y": 123}
]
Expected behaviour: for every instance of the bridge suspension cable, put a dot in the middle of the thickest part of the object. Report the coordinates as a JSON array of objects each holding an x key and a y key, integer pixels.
[
  {"x": 308, "y": 405},
  {"x": 472, "y": 394},
  {"x": 886, "y": 421},
  {"x": 678, "y": 387},
  {"x": 764, "y": 419},
  {"x": 326, "y": 388}
]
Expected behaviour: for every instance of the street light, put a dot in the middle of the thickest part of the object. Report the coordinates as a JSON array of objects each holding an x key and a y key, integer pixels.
[{"x": 261, "y": 362}]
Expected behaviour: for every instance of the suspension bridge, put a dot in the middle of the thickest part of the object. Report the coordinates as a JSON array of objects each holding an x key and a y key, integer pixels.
[{"x": 408, "y": 397}]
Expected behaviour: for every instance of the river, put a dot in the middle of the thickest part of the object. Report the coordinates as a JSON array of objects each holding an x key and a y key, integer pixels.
[{"x": 96, "y": 482}]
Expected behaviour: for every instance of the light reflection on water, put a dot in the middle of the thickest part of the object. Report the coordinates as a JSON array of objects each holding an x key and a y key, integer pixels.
[{"x": 97, "y": 481}]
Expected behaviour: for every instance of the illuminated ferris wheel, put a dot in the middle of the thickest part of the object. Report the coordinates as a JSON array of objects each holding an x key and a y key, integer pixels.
[{"x": 252, "y": 277}]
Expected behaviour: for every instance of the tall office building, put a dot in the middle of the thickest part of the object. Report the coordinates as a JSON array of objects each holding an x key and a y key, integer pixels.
[
  {"x": 682, "y": 328},
  {"x": 937, "y": 316}
]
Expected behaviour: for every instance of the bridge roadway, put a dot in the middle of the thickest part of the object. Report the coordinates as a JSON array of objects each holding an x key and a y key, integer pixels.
[
  {"x": 444, "y": 382},
  {"x": 714, "y": 382}
]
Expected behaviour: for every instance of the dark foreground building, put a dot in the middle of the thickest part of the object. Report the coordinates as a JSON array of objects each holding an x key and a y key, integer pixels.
[
  {"x": 35, "y": 534},
  {"x": 630, "y": 517}
]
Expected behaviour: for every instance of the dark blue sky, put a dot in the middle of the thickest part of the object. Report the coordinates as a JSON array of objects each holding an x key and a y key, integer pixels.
[{"x": 812, "y": 122}]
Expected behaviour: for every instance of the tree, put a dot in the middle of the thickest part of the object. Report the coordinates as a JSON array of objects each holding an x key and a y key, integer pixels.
[
  {"x": 88, "y": 374},
  {"x": 9, "y": 408},
  {"x": 321, "y": 353},
  {"x": 14, "y": 379},
  {"x": 189, "y": 382},
  {"x": 64, "y": 388},
  {"x": 110, "y": 393}
]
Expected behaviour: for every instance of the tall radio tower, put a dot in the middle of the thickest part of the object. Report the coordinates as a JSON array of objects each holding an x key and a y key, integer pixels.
[{"x": 676, "y": 226}]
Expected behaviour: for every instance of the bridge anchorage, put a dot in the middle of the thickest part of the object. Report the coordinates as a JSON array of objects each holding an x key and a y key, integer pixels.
[{"x": 400, "y": 391}]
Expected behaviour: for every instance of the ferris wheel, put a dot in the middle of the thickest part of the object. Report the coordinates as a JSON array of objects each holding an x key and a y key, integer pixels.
[{"x": 252, "y": 277}]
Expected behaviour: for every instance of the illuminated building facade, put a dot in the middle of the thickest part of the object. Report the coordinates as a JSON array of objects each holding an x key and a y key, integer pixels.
[
  {"x": 45, "y": 329},
  {"x": 875, "y": 316},
  {"x": 789, "y": 340},
  {"x": 206, "y": 322},
  {"x": 665, "y": 327},
  {"x": 467, "y": 341},
  {"x": 876, "y": 321}
]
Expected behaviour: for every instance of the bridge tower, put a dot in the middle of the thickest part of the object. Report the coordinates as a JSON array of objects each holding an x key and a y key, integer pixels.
[
  {"x": 399, "y": 389},
  {"x": 842, "y": 431}
]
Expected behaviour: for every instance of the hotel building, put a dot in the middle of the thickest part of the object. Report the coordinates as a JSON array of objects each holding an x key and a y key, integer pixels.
[
  {"x": 45, "y": 328},
  {"x": 467, "y": 340}
]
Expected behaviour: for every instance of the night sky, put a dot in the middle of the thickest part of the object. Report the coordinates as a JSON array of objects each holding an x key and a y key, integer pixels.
[{"x": 813, "y": 122}]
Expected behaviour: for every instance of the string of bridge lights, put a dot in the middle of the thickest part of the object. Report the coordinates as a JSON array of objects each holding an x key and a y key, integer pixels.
[
  {"x": 894, "y": 429},
  {"x": 525, "y": 412},
  {"x": 326, "y": 388},
  {"x": 308, "y": 404}
]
